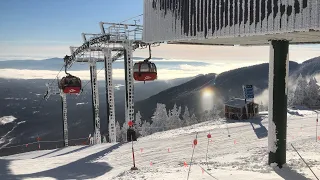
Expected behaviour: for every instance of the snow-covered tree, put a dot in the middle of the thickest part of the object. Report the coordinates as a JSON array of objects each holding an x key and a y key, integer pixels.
[
  {"x": 300, "y": 93},
  {"x": 124, "y": 129},
  {"x": 214, "y": 113},
  {"x": 205, "y": 116},
  {"x": 104, "y": 139},
  {"x": 159, "y": 118},
  {"x": 174, "y": 120},
  {"x": 209, "y": 115},
  {"x": 145, "y": 129},
  {"x": 312, "y": 93},
  {"x": 290, "y": 96},
  {"x": 193, "y": 119},
  {"x": 118, "y": 132},
  {"x": 186, "y": 117},
  {"x": 137, "y": 123}
]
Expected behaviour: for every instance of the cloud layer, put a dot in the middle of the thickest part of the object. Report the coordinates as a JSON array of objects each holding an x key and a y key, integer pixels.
[
  {"x": 164, "y": 73},
  {"x": 232, "y": 54}
]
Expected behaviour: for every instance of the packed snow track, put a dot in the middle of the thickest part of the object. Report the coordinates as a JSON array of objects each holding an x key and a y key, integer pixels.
[{"x": 164, "y": 155}]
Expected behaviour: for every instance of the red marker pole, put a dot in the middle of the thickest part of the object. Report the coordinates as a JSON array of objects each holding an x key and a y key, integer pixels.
[
  {"x": 208, "y": 136},
  {"x": 134, "y": 163},
  {"x": 130, "y": 123},
  {"x": 195, "y": 142}
]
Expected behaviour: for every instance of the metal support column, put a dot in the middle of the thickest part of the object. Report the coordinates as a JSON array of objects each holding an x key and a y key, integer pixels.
[
  {"x": 65, "y": 118},
  {"x": 129, "y": 83},
  {"x": 95, "y": 102},
  {"x": 278, "y": 90},
  {"x": 110, "y": 95}
]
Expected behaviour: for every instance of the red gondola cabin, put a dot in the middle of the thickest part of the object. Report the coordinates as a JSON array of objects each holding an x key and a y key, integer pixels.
[
  {"x": 70, "y": 84},
  {"x": 144, "y": 71}
]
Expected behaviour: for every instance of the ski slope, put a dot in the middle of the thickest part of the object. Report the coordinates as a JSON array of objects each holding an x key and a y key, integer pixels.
[{"x": 161, "y": 156}]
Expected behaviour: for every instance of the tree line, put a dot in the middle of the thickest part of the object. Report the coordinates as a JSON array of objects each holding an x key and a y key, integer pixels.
[
  {"x": 305, "y": 93},
  {"x": 164, "y": 119}
]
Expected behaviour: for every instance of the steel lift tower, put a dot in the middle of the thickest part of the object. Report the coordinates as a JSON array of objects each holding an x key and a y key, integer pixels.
[
  {"x": 53, "y": 89},
  {"x": 122, "y": 39}
]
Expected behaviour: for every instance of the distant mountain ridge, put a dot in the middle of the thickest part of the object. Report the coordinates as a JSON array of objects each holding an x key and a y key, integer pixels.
[
  {"x": 227, "y": 84},
  {"x": 54, "y": 64},
  {"x": 46, "y": 119}
]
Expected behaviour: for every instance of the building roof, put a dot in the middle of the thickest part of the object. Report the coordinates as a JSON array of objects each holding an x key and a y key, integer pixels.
[{"x": 236, "y": 102}]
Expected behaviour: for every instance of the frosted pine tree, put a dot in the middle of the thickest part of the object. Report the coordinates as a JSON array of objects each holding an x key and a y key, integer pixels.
[
  {"x": 118, "y": 132},
  {"x": 159, "y": 118},
  {"x": 186, "y": 117},
  {"x": 214, "y": 113},
  {"x": 300, "y": 93},
  {"x": 290, "y": 97},
  {"x": 138, "y": 123},
  {"x": 312, "y": 93},
  {"x": 193, "y": 119},
  {"x": 124, "y": 131},
  {"x": 174, "y": 120},
  {"x": 145, "y": 129},
  {"x": 205, "y": 116}
]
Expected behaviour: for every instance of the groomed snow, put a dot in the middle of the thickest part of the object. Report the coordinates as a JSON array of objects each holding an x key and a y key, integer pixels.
[{"x": 241, "y": 156}]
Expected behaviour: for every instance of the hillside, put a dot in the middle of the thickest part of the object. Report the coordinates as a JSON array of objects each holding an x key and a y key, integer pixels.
[
  {"x": 310, "y": 67},
  {"x": 162, "y": 155},
  {"x": 184, "y": 94},
  {"x": 23, "y": 100},
  {"x": 227, "y": 84}
]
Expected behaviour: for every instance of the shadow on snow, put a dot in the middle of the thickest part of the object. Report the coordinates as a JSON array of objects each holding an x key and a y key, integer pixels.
[{"x": 81, "y": 169}]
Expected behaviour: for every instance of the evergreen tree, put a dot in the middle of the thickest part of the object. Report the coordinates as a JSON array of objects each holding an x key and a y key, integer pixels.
[
  {"x": 291, "y": 99},
  {"x": 186, "y": 117},
  {"x": 118, "y": 132},
  {"x": 124, "y": 129},
  {"x": 137, "y": 123},
  {"x": 205, "y": 116},
  {"x": 214, "y": 113},
  {"x": 193, "y": 119},
  {"x": 174, "y": 120},
  {"x": 312, "y": 93},
  {"x": 300, "y": 93},
  {"x": 145, "y": 129},
  {"x": 159, "y": 118}
]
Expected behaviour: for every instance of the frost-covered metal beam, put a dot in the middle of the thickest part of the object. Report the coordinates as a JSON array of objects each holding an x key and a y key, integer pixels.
[
  {"x": 95, "y": 102},
  {"x": 110, "y": 96},
  {"x": 71, "y": 59},
  {"x": 65, "y": 118},
  {"x": 231, "y": 21},
  {"x": 278, "y": 91},
  {"x": 128, "y": 68}
]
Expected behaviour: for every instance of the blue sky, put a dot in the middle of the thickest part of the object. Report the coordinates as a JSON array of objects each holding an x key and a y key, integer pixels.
[{"x": 59, "y": 21}]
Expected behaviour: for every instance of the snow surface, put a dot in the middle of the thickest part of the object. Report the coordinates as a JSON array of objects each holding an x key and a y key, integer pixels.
[
  {"x": 7, "y": 119},
  {"x": 237, "y": 102},
  {"x": 82, "y": 103},
  {"x": 161, "y": 156}
]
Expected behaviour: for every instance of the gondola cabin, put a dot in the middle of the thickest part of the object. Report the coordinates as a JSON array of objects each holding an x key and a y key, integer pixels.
[
  {"x": 144, "y": 71},
  {"x": 70, "y": 84}
]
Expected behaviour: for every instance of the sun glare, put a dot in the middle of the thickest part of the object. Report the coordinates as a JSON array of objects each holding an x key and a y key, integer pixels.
[
  {"x": 207, "y": 92},
  {"x": 207, "y": 99}
]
